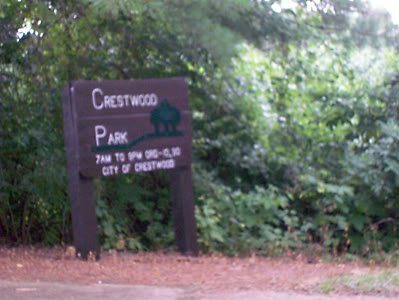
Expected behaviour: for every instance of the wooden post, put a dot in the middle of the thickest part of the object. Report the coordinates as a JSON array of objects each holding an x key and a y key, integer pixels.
[
  {"x": 184, "y": 211},
  {"x": 80, "y": 189}
]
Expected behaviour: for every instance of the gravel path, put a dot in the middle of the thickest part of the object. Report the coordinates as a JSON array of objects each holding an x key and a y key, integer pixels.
[
  {"x": 50, "y": 291},
  {"x": 170, "y": 275}
]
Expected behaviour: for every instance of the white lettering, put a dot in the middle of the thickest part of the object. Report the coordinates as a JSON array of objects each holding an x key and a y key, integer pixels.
[
  {"x": 153, "y": 100},
  {"x": 134, "y": 100},
  {"x": 126, "y": 168},
  {"x": 110, "y": 170},
  {"x": 135, "y": 155},
  {"x": 176, "y": 151},
  {"x": 147, "y": 100},
  {"x": 119, "y": 100},
  {"x": 93, "y": 97},
  {"x": 154, "y": 165},
  {"x": 100, "y": 132},
  {"x": 166, "y": 153},
  {"x": 141, "y": 100},
  {"x": 101, "y": 101},
  {"x": 103, "y": 159},
  {"x": 120, "y": 156},
  {"x": 117, "y": 138},
  {"x": 126, "y": 97},
  {"x": 151, "y": 154},
  {"x": 107, "y": 101}
]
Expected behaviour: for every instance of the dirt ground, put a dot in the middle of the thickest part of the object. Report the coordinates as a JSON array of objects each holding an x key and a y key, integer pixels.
[{"x": 201, "y": 274}]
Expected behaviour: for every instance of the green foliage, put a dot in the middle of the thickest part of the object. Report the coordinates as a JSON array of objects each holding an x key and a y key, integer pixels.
[
  {"x": 385, "y": 282},
  {"x": 295, "y": 115},
  {"x": 139, "y": 219},
  {"x": 236, "y": 222}
]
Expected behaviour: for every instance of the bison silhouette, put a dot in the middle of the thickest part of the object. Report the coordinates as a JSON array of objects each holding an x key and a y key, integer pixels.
[{"x": 166, "y": 116}]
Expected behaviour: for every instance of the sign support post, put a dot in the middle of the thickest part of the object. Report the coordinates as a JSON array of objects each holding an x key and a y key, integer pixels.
[
  {"x": 80, "y": 190},
  {"x": 184, "y": 212}
]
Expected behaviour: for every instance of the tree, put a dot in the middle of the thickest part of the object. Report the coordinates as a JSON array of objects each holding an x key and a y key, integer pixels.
[{"x": 290, "y": 134}]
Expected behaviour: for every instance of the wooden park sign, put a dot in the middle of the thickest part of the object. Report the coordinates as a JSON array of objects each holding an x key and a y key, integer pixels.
[{"x": 116, "y": 127}]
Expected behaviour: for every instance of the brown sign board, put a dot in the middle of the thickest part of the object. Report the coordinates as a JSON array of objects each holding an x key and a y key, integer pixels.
[
  {"x": 132, "y": 126},
  {"x": 116, "y": 127}
]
